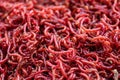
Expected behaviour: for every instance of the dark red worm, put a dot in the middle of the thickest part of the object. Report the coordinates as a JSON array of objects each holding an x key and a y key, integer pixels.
[{"x": 59, "y": 39}]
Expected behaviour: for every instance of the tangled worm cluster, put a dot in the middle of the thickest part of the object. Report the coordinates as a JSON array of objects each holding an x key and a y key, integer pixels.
[{"x": 59, "y": 39}]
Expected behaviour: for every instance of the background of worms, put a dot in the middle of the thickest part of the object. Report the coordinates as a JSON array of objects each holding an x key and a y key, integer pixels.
[{"x": 59, "y": 39}]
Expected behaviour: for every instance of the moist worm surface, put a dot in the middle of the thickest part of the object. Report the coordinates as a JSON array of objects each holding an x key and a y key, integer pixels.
[{"x": 59, "y": 39}]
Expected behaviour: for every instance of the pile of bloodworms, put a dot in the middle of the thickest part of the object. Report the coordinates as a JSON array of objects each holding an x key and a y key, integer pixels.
[{"x": 59, "y": 39}]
